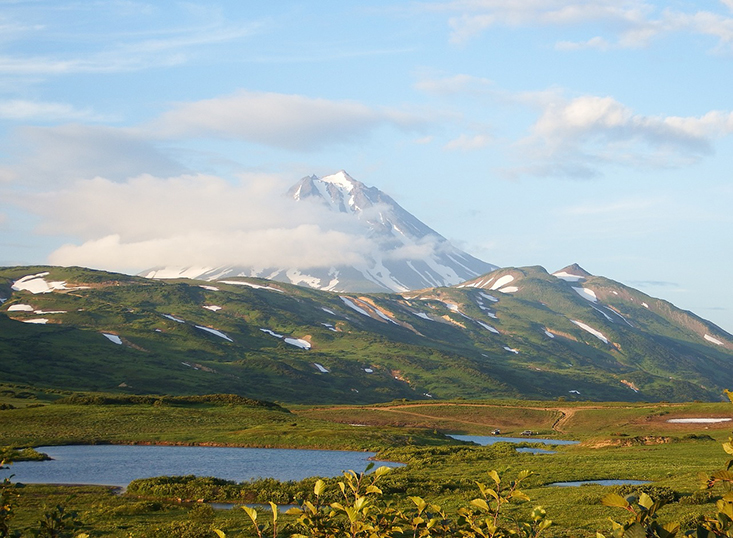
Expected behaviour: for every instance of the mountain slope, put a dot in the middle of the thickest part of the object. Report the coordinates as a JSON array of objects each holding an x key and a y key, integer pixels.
[
  {"x": 407, "y": 254},
  {"x": 514, "y": 332}
]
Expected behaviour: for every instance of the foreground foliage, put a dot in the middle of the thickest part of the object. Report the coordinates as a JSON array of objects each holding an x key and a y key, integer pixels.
[{"x": 361, "y": 512}]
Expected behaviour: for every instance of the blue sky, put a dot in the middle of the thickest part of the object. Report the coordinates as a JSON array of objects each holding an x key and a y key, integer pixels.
[{"x": 531, "y": 132}]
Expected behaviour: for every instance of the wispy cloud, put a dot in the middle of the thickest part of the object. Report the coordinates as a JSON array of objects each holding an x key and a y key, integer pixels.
[
  {"x": 19, "y": 109},
  {"x": 146, "y": 36},
  {"x": 75, "y": 151},
  {"x": 588, "y": 130},
  {"x": 286, "y": 121},
  {"x": 624, "y": 23},
  {"x": 148, "y": 221},
  {"x": 468, "y": 143},
  {"x": 576, "y": 136}
]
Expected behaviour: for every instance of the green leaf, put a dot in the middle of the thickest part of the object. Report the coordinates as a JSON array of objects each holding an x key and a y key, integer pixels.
[
  {"x": 319, "y": 487},
  {"x": 273, "y": 506},
  {"x": 516, "y": 494},
  {"x": 219, "y": 533},
  {"x": 615, "y": 500},
  {"x": 251, "y": 512},
  {"x": 482, "y": 504},
  {"x": 495, "y": 476},
  {"x": 373, "y": 489},
  {"x": 524, "y": 474},
  {"x": 728, "y": 448},
  {"x": 381, "y": 471},
  {"x": 645, "y": 501},
  {"x": 419, "y": 502}
]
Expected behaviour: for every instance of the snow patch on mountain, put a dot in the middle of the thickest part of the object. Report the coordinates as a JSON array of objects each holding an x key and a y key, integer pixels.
[
  {"x": 567, "y": 276},
  {"x": 506, "y": 279},
  {"x": 38, "y": 321},
  {"x": 298, "y": 342},
  {"x": 713, "y": 340},
  {"x": 249, "y": 285},
  {"x": 38, "y": 284},
  {"x": 113, "y": 338},
  {"x": 214, "y": 332},
  {"x": 587, "y": 294},
  {"x": 20, "y": 308},
  {"x": 348, "y": 302},
  {"x": 591, "y": 330}
]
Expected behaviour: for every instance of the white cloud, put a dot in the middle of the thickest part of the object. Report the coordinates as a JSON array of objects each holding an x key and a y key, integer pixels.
[
  {"x": 149, "y": 221},
  {"x": 457, "y": 84},
  {"x": 180, "y": 33},
  {"x": 571, "y": 137},
  {"x": 624, "y": 207},
  {"x": 18, "y": 109},
  {"x": 74, "y": 151},
  {"x": 280, "y": 120},
  {"x": 626, "y": 23},
  {"x": 468, "y": 143},
  {"x": 593, "y": 43}
]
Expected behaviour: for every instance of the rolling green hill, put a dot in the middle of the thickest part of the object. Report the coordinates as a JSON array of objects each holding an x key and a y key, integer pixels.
[{"x": 516, "y": 332}]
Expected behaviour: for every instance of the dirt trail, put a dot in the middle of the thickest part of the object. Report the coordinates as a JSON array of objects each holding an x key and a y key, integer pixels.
[{"x": 560, "y": 424}]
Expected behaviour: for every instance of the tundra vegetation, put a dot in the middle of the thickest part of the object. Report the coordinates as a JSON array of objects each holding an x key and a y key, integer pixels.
[{"x": 447, "y": 488}]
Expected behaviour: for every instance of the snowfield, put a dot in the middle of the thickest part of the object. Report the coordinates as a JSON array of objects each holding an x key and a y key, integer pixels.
[
  {"x": 37, "y": 321},
  {"x": 38, "y": 284},
  {"x": 713, "y": 340},
  {"x": 568, "y": 277},
  {"x": 20, "y": 308},
  {"x": 173, "y": 318},
  {"x": 591, "y": 330},
  {"x": 506, "y": 279},
  {"x": 214, "y": 332},
  {"x": 249, "y": 285},
  {"x": 697, "y": 420},
  {"x": 271, "y": 333},
  {"x": 321, "y": 368},
  {"x": 585, "y": 293},
  {"x": 348, "y": 302},
  {"x": 212, "y": 307},
  {"x": 113, "y": 338},
  {"x": 298, "y": 342}
]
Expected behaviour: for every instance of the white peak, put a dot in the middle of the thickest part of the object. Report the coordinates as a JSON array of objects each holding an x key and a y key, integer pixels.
[{"x": 340, "y": 179}]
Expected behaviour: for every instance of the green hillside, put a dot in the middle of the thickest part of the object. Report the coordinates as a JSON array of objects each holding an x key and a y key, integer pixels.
[{"x": 275, "y": 341}]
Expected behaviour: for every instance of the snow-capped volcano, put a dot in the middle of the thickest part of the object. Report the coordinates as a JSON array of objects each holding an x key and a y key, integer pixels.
[{"x": 407, "y": 254}]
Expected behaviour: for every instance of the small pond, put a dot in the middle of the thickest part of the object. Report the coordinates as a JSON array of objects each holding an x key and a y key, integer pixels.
[
  {"x": 118, "y": 465},
  {"x": 599, "y": 483},
  {"x": 491, "y": 439}
]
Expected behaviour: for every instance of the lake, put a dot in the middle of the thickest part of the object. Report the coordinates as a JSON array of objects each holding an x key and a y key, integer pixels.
[
  {"x": 118, "y": 465},
  {"x": 491, "y": 439}
]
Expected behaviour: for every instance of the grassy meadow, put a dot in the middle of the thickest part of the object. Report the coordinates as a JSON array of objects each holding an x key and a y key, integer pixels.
[{"x": 617, "y": 441}]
